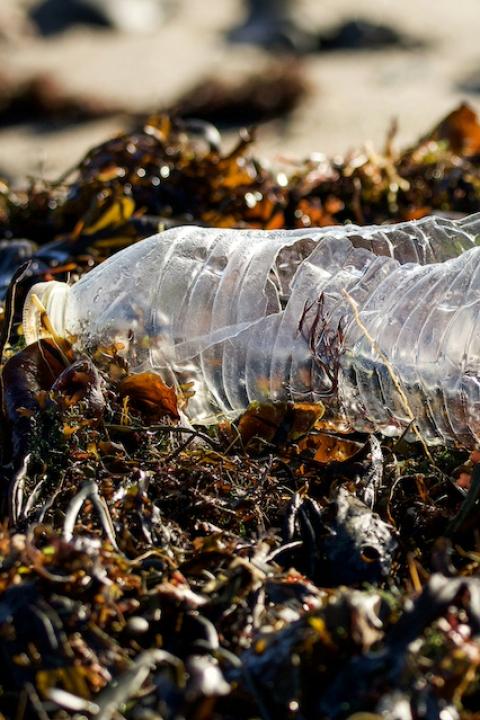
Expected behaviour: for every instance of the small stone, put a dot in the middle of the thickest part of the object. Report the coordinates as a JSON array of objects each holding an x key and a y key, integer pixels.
[{"x": 137, "y": 625}]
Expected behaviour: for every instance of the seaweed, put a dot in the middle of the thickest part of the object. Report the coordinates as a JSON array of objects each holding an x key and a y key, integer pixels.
[
  {"x": 273, "y": 93},
  {"x": 263, "y": 568}
]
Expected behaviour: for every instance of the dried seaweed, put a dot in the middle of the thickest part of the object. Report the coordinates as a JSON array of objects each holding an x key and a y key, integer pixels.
[
  {"x": 172, "y": 172},
  {"x": 266, "y": 568},
  {"x": 41, "y": 99},
  {"x": 273, "y": 93}
]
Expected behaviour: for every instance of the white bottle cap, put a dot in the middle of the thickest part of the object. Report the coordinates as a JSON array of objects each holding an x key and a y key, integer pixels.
[{"x": 50, "y": 298}]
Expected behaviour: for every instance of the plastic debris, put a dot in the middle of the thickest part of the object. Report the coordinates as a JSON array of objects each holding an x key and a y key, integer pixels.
[
  {"x": 378, "y": 323},
  {"x": 153, "y": 569}
]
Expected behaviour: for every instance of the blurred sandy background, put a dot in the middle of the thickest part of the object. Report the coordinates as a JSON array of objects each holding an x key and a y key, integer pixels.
[{"x": 353, "y": 95}]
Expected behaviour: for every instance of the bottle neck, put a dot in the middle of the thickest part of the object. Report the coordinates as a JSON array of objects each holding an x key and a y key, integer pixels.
[{"x": 45, "y": 311}]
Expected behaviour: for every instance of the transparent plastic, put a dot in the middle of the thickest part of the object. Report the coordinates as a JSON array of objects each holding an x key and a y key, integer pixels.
[{"x": 381, "y": 324}]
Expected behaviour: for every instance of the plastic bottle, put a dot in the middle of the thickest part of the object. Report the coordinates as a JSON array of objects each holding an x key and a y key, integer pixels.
[{"x": 381, "y": 324}]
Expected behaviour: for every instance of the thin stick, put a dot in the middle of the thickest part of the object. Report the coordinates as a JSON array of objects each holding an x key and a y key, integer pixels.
[{"x": 10, "y": 305}]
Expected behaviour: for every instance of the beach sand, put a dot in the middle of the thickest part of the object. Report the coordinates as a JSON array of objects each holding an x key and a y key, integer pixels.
[{"x": 353, "y": 96}]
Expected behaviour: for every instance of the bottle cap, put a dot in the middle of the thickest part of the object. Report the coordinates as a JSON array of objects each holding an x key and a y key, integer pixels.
[{"x": 45, "y": 306}]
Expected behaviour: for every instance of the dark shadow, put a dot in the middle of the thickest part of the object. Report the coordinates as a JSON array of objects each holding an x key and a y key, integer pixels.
[
  {"x": 278, "y": 33},
  {"x": 55, "y": 16},
  {"x": 360, "y": 34}
]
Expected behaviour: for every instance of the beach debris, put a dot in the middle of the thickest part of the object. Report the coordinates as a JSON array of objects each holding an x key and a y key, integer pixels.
[
  {"x": 150, "y": 567},
  {"x": 341, "y": 316},
  {"x": 171, "y": 172},
  {"x": 274, "y": 92},
  {"x": 39, "y": 98}
]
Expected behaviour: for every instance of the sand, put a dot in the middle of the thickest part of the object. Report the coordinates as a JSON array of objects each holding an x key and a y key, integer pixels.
[{"x": 353, "y": 96}]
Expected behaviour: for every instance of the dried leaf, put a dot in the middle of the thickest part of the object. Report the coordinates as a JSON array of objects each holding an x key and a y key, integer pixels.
[
  {"x": 31, "y": 371},
  {"x": 461, "y": 129},
  {"x": 328, "y": 448},
  {"x": 305, "y": 416},
  {"x": 277, "y": 422},
  {"x": 149, "y": 395},
  {"x": 81, "y": 382},
  {"x": 26, "y": 378}
]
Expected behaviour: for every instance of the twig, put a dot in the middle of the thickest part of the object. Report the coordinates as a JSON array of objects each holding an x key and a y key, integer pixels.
[
  {"x": 89, "y": 490},
  {"x": 175, "y": 429},
  {"x": 10, "y": 305}
]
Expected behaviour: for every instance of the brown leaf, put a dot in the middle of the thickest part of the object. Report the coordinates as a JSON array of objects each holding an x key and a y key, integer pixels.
[
  {"x": 261, "y": 420},
  {"x": 461, "y": 129},
  {"x": 33, "y": 369},
  {"x": 277, "y": 422},
  {"x": 328, "y": 448},
  {"x": 149, "y": 395},
  {"x": 304, "y": 418},
  {"x": 81, "y": 382},
  {"x": 25, "y": 379}
]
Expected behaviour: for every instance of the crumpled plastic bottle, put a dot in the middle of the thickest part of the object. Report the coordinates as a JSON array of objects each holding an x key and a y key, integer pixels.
[{"x": 381, "y": 324}]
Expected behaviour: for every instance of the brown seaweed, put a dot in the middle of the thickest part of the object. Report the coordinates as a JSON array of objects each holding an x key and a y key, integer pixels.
[{"x": 266, "y": 568}]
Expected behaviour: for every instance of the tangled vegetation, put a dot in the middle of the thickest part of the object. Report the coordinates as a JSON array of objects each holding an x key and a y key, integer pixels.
[{"x": 263, "y": 568}]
